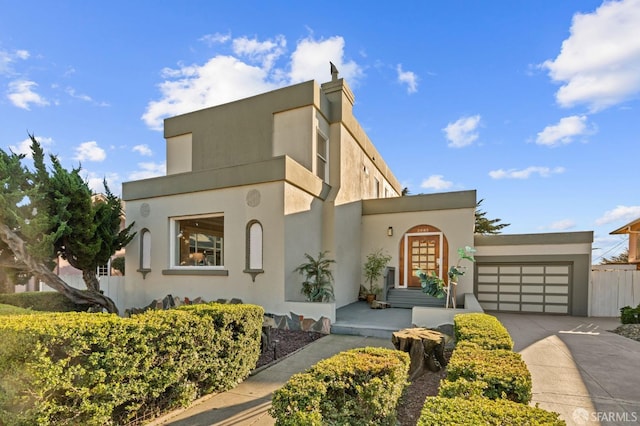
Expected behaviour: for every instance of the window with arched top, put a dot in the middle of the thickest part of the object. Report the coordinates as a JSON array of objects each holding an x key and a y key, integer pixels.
[
  {"x": 145, "y": 252},
  {"x": 254, "y": 245}
]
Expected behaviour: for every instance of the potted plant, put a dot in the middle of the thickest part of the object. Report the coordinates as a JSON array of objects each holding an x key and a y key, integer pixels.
[
  {"x": 318, "y": 279},
  {"x": 373, "y": 267},
  {"x": 435, "y": 286}
]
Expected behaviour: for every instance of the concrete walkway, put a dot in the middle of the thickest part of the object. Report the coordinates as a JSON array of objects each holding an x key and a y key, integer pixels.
[{"x": 579, "y": 369}]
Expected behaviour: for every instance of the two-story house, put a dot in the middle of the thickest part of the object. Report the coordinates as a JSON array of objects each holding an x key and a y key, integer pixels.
[{"x": 253, "y": 185}]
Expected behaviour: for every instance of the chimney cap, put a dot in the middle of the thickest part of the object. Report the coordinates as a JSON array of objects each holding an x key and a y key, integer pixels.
[{"x": 334, "y": 72}]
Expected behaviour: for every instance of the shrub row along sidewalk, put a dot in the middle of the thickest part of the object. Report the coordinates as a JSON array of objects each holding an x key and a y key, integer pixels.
[
  {"x": 487, "y": 383},
  {"x": 100, "y": 369}
]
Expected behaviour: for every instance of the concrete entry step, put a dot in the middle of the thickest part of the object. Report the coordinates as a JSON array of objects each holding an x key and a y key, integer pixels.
[{"x": 410, "y": 297}]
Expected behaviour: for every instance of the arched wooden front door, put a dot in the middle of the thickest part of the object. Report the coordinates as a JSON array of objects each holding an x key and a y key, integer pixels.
[{"x": 424, "y": 248}]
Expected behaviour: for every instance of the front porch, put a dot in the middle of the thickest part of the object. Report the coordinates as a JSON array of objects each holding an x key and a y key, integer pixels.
[{"x": 358, "y": 319}]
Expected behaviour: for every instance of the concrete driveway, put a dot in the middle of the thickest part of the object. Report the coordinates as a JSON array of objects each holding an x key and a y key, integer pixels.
[{"x": 579, "y": 368}]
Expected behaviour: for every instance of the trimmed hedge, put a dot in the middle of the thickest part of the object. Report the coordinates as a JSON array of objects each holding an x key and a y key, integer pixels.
[
  {"x": 481, "y": 411},
  {"x": 357, "y": 387},
  {"x": 48, "y": 301},
  {"x": 483, "y": 329},
  {"x": 504, "y": 372},
  {"x": 100, "y": 369}
]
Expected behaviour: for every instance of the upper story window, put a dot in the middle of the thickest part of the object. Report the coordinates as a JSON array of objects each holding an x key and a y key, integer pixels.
[
  {"x": 376, "y": 188},
  {"x": 198, "y": 241},
  {"x": 322, "y": 152}
]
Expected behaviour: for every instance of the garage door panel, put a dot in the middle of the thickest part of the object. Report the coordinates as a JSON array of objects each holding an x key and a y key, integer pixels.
[
  {"x": 524, "y": 287},
  {"x": 532, "y": 308},
  {"x": 556, "y": 309}
]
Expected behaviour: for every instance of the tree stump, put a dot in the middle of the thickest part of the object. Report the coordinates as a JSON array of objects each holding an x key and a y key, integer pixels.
[{"x": 424, "y": 346}]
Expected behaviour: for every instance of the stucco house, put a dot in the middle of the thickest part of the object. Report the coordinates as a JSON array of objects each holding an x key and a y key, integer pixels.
[
  {"x": 253, "y": 185},
  {"x": 633, "y": 230}
]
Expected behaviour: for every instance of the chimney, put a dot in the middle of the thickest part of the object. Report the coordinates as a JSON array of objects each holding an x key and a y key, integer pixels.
[{"x": 339, "y": 95}]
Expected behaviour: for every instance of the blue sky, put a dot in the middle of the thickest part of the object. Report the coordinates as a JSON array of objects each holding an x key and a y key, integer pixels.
[{"x": 536, "y": 105}]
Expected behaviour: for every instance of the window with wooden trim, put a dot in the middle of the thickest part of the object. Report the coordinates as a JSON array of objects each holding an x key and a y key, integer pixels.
[{"x": 198, "y": 241}]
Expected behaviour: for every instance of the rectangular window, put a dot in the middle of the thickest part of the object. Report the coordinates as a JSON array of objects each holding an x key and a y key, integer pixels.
[
  {"x": 321, "y": 157},
  {"x": 199, "y": 241},
  {"x": 376, "y": 188},
  {"x": 103, "y": 270}
]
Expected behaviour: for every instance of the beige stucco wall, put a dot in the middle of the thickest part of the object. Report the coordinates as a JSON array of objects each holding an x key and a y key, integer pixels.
[
  {"x": 179, "y": 154},
  {"x": 452, "y": 213},
  {"x": 267, "y": 290},
  {"x": 293, "y": 135}
]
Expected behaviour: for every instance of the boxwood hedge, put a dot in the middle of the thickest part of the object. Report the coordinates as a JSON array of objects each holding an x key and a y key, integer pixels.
[
  {"x": 481, "y": 411},
  {"x": 357, "y": 387},
  {"x": 100, "y": 369}
]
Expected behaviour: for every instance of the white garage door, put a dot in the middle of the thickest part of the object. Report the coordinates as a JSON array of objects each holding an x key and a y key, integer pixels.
[{"x": 524, "y": 287}]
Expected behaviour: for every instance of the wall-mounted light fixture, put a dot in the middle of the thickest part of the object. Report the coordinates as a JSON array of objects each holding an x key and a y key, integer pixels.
[{"x": 390, "y": 231}]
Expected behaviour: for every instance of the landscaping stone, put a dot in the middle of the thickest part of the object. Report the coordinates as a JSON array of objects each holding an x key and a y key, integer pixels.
[{"x": 295, "y": 321}]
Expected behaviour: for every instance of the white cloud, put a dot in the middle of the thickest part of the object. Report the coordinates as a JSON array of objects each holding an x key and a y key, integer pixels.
[
  {"x": 565, "y": 131},
  {"x": 24, "y": 147},
  {"x": 310, "y": 61},
  {"x": 7, "y": 58},
  {"x": 216, "y": 38},
  {"x": 263, "y": 52},
  {"x": 620, "y": 213},
  {"x": 436, "y": 182},
  {"x": 525, "y": 173},
  {"x": 148, "y": 170},
  {"x": 21, "y": 94},
  {"x": 253, "y": 70},
  {"x": 90, "y": 151},
  {"x": 598, "y": 64},
  {"x": 409, "y": 78},
  {"x": 96, "y": 183},
  {"x": 462, "y": 132},
  {"x": 143, "y": 150},
  {"x": 562, "y": 225}
]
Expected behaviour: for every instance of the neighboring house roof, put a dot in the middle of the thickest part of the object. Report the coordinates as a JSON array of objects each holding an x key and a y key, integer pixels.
[{"x": 626, "y": 229}]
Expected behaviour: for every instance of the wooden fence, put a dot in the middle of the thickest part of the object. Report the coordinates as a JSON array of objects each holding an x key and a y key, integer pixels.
[{"x": 612, "y": 289}]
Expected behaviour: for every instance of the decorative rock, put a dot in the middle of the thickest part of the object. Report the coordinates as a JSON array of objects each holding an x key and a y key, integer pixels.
[
  {"x": 323, "y": 325},
  {"x": 269, "y": 321},
  {"x": 295, "y": 321},
  {"x": 177, "y": 302},
  {"x": 281, "y": 322},
  {"x": 223, "y": 301},
  {"x": 235, "y": 301},
  {"x": 198, "y": 300},
  {"x": 307, "y": 323},
  {"x": 168, "y": 302}
]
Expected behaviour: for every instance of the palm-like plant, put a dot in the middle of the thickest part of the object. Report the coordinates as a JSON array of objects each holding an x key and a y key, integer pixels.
[
  {"x": 318, "y": 279},
  {"x": 434, "y": 286}
]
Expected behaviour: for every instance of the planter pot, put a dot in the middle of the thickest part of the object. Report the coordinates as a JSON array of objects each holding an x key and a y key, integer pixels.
[{"x": 371, "y": 298}]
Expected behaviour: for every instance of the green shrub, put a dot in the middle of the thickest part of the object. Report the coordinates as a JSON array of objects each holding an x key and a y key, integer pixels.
[
  {"x": 48, "y": 301},
  {"x": 504, "y": 372},
  {"x": 100, "y": 369},
  {"x": 482, "y": 329},
  {"x": 357, "y": 387},
  {"x": 629, "y": 315},
  {"x": 462, "y": 388},
  {"x": 14, "y": 310},
  {"x": 481, "y": 411}
]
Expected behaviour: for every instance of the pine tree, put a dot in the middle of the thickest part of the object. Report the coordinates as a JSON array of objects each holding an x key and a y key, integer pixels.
[
  {"x": 486, "y": 226},
  {"x": 44, "y": 215}
]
